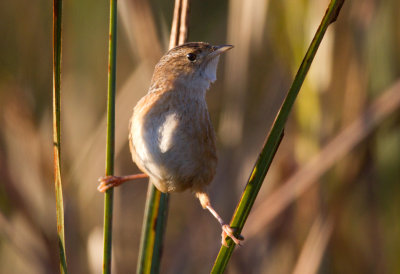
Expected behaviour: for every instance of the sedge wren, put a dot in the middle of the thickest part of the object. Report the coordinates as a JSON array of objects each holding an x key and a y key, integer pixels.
[{"x": 171, "y": 137}]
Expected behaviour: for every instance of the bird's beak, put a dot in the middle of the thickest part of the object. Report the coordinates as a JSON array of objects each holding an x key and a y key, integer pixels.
[{"x": 217, "y": 50}]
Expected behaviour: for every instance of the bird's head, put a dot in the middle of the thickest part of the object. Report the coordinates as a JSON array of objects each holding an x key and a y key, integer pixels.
[{"x": 191, "y": 64}]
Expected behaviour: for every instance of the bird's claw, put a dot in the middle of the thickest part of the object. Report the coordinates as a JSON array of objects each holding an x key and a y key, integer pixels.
[
  {"x": 108, "y": 182},
  {"x": 227, "y": 231}
]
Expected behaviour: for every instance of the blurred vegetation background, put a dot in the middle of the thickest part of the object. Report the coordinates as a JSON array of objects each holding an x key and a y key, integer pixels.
[{"x": 345, "y": 219}]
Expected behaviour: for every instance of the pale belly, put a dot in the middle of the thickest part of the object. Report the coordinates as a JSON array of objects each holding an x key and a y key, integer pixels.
[{"x": 176, "y": 150}]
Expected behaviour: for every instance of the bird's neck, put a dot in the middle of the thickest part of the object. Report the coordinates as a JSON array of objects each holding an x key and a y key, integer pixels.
[{"x": 195, "y": 87}]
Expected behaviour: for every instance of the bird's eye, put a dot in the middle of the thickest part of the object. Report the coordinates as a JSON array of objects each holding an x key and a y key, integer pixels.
[{"x": 191, "y": 57}]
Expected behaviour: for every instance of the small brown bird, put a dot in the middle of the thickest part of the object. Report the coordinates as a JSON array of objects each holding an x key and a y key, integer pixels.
[{"x": 171, "y": 137}]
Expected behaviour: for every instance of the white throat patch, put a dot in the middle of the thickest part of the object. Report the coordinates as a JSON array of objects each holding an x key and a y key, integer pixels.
[{"x": 210, "y": 71}]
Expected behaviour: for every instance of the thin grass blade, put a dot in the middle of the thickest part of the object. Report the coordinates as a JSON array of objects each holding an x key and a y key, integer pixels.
[
  {"x": 109, "y": 195},
  {"x": 57, "y": 27}
]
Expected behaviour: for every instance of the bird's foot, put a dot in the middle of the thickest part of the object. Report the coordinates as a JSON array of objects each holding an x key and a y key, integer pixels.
[
  {"x": 108, "y": 182},
  {"x": 227, "y": 231}
]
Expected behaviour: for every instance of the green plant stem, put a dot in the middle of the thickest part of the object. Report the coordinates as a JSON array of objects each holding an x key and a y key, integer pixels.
[
  {"x": 272, "y": 142},
  {"x": 109, "y": 195},
  {"x": 155, "y": 217},
  {"x": 156, "y": 209},
  {"x": 57, "y": 28}
]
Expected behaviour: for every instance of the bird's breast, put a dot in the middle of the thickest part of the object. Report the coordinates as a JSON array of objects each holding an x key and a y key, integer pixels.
[
  {"x": 167, "y": 131},
  {"x": 172, "y": 140}
]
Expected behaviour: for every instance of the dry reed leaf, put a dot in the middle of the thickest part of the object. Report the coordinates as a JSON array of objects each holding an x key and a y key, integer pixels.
[
  {"x": 89, "y": 161},
  {"x": 245, "y": 24},
  {"x": 342, "y": 144},
  {"x": 140, "y": 28},
  {"x": 314, "y": 247}
]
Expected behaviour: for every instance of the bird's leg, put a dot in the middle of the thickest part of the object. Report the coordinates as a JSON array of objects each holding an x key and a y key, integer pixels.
[
  {"x": 227, "y": 231},
  {"x": 108, "y": 182}
]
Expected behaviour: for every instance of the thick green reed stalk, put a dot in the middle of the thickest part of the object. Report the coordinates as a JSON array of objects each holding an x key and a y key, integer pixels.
[
  {"x": 156, "y": 209},
  {"x": 274, "y": 137}
]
